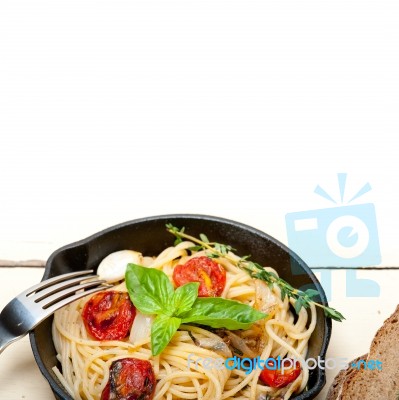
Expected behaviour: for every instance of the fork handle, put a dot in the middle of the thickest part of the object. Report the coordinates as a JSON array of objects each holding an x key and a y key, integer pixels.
[{"x": 6, "y": 337}]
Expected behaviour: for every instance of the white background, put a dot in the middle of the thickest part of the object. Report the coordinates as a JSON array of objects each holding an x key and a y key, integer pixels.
[{"x": 115, "y": 110}]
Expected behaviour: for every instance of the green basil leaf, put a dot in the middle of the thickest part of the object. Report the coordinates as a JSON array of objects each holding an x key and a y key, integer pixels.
[
  {"x": 150, "y": 290},
  {"x": 184, "y": 297},
  {"x": 217, "y": 312},
  {"x": 162, "y": 330}
]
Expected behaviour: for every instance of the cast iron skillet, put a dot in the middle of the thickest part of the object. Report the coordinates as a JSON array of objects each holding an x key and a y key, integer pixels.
[{"x": 149, "y": 236}]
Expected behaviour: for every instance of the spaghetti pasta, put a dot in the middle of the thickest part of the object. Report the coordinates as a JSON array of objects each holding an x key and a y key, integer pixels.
[{"x": 181, "y": 369}]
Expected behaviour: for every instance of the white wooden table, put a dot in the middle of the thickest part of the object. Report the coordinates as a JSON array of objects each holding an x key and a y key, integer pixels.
[{"x": 21, "y": 379}]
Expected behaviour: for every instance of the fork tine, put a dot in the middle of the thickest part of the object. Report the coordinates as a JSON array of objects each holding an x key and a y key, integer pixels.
[
  {"x": 42, "y": 294},
  {"x": 52, "y": 309},
  {"x": 56, "y": 279},
  {"x": 67, "y": 292}
]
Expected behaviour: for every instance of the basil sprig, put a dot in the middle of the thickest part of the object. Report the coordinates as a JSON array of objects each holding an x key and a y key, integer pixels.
[{"x": 152, "y": 293}]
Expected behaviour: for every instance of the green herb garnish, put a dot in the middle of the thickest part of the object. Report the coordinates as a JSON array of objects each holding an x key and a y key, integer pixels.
[
  {"x": 152, "y": 293},
  {"x": 255, "y": 270}
]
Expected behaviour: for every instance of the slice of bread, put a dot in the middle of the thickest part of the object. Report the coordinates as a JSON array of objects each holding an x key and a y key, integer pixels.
[
  {"x": 367, "y": 384},
  {"x": 335, "y": 389}
]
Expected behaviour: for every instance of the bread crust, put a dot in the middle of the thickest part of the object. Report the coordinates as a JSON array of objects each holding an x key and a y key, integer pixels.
[
  {"x": 335, "y": 389},
  {"x": 366, "y": 384}
]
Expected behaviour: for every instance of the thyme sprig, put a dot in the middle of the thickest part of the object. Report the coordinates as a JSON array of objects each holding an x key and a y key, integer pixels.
[{"x": 302, "y": 298}]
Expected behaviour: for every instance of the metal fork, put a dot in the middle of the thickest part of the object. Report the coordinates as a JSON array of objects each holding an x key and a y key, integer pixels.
[{"x": 37, "y": 303}]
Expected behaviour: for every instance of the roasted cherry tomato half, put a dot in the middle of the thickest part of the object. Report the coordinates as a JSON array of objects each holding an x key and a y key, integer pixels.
[
  {"x": 210, "y": 275},
  {"x": 280, "y": 377},
  {"x": 130, "y": 379},
  {"x": 109, "y": 315},
  {"x": 106, "y": 392}
]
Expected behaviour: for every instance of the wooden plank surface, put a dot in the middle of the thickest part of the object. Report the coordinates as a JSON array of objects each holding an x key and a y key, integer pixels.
[{"x": 21, "y": 379}]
